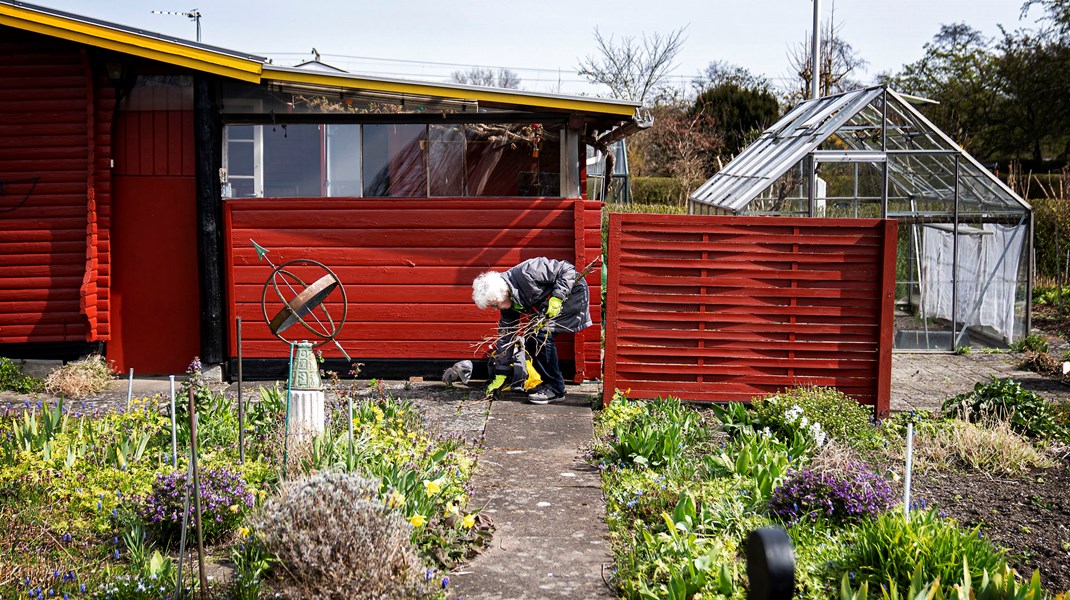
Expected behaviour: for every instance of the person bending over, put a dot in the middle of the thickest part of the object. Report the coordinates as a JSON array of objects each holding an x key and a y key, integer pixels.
[{"x": 535, "y": 287}]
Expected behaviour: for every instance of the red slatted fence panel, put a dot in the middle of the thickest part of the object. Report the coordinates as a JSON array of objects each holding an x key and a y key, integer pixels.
[
  {"x": 716, "y": 309},
  {"x": 407, "y": 265}
]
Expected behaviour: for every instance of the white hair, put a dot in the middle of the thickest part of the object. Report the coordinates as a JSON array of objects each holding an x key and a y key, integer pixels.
[{"x": 489, "y": 289}]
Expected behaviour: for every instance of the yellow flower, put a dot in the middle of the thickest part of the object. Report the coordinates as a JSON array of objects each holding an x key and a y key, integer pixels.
[
  {"x": 395, "y": 499},
  {"x": 243, "y": 531},
  {"x": 451, "y": 509},
  {"x": 469, "y": 521},
  {"x": 432, "y": 487},
  {"x": 417, "y": 520},
  {"x": 234, "y": 508}
]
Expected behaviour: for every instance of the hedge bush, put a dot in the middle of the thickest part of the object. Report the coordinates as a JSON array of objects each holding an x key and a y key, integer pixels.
[{"x": 662, "y": 190}]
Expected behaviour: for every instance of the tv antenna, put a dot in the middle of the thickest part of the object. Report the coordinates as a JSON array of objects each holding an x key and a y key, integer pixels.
[{"x": 193, "y": 15}]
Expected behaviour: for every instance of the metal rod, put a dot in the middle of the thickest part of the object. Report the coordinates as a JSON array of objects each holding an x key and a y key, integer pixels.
[
  {"x": 909, "y": 467},
  {"x": 241, "y": 405},
  {"x": 955, "y": 261},
  {"x": 196, "y": 490},
  {"x": 182, "y": 535},
  {"x": 174, "y": 427},
  {"x": 286, "y": 438},
  {"x": 349, "y": 402},
  {"x": 130, "y": 388}
]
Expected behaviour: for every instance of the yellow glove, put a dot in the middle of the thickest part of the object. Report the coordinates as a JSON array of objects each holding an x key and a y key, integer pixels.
[
  {"x": 553, "y": 308},
  {"x": 498, "y": 382}
]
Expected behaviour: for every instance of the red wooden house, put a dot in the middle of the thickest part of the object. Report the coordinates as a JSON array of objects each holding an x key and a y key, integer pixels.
[{"x": 135, "y": 169}]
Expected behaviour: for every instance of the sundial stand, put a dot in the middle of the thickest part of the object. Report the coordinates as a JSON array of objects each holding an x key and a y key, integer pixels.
[{"x": 305, "y": 416}]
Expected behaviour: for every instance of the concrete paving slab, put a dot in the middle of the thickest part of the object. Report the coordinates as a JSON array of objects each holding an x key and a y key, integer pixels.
[
  {"x": 571, "y": 429},
  {"x": 538, "y": 567},
  {"x": 575, "y": 513},
  {"x": 514, "y": 468}
]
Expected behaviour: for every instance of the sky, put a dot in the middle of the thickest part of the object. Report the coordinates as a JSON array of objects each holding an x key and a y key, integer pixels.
[{"x": 544, "y": 41}]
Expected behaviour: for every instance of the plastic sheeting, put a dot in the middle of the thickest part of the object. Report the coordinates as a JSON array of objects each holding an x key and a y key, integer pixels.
[{"x": 988, "y": 275}]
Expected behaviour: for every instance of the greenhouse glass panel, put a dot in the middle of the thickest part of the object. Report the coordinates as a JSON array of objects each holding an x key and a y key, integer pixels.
[{"x": 963, "y": 258}]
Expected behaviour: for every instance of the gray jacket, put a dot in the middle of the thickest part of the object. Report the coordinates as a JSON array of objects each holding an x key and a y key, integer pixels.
[{"x": 534, "y": 281}]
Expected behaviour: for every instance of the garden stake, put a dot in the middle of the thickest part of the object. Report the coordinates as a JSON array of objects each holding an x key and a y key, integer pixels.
[
  {"x": 349, "y": 403},
  {"x": 906, "y": 477},
  {"x": 130, "y": 388},
  {"x": 185, "y": 525},
  {"x": 196, "y": 489},
  {"x": 286, "y": 438},
  {"x": 241, "y": 407},
  {"x": 174, "y": 434}
]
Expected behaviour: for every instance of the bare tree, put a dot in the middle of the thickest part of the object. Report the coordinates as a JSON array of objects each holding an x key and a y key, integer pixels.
[
  {"x": 838, "y": 61},
  {"x": 720, "y": 72},
  {"x": 502, "y": 78},
  {"x": 633, "y": 69}
]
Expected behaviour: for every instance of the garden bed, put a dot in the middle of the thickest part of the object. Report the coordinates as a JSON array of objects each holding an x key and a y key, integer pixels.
[
  {"x": 91, "y": 497},
  {"x": 685, "y": 486}
]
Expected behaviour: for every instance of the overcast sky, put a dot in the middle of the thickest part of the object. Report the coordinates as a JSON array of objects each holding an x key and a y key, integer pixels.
[{"x": 543, "y": 41}]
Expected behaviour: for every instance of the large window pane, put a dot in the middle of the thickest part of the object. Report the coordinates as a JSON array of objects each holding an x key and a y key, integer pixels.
[
  {"x": 445, "y": 160},
  {"x": 394, "y": 161},
  {"x": 293, "y": 159},
  {"x": 343, "y": 160},
  {"x": 513, "y": 160}
]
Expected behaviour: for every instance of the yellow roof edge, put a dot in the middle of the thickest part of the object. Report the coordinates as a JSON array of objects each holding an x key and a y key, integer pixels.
[
  {"x": 343, "y": 81},
  {"x": 153, "y": 48}
]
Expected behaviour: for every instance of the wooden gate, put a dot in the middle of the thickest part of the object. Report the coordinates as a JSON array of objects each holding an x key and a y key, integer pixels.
[{"x": 718, "y": 309}]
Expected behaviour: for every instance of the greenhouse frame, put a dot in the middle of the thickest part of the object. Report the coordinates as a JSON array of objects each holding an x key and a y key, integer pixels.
[{"x": 963, "y": 269}]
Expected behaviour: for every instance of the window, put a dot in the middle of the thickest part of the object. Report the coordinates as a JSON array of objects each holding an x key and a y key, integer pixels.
[{"x": 391, "y": 160}]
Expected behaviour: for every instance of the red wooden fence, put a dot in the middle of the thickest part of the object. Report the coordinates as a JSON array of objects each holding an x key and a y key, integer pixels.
[
  {"x": 408, "y": 265},
  {"x": 712, "y": 308}
]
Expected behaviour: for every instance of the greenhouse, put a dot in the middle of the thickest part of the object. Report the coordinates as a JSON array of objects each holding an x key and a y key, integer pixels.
[{"x": 963, "y": 274}]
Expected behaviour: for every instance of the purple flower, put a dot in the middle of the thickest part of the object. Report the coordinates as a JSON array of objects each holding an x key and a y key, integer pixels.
[{"x": 854, "y": 494}]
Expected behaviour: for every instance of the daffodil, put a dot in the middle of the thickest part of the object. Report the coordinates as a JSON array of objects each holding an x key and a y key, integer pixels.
[
  {"x": 432, "y": 487},
  {"x": 234, "y": 508},
  {"x": 417, "y": 520},
  {"x": 243, "y": 531},
  {"x": 395, "y": 499},
  {"x": 451, "y": 509},
  {"x": 469, "y": 521}
]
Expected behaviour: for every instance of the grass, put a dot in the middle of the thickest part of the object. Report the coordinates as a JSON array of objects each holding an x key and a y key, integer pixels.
[{"x": 994, "y": 448}]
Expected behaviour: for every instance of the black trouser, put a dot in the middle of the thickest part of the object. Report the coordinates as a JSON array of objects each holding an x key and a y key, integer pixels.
[{"x": 543, "y": 353}]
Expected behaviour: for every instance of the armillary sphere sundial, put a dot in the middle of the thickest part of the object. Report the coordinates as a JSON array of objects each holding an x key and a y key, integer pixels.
[
  {"x": 296, "y": 293},
  {"x": 296, "y": 302}
]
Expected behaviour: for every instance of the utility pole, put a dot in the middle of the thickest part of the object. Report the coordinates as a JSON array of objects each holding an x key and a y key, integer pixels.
[
  {"x": 815, "y": 65},
  {"x": 193, "y": 15}
]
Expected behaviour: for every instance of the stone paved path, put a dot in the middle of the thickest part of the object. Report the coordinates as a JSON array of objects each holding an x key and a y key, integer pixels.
[
  {"x": 922, "y": 380},
  {"x": 551, "y": 539}
]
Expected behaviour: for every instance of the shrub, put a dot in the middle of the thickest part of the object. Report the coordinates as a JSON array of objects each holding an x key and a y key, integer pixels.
[
  {"x": 1006, "y": 400},
  {"x": 661, "y": 190},
  {"x": 13, "y": 379},
  {"x": 840, "y": 416},
  {"x": 336, "y": 539},
  {"x": 224, "y": 499},
  {"x": 890, "y": 548},
  {"x": 848, "y": 496},
  {"x": 79, "y": 379}
]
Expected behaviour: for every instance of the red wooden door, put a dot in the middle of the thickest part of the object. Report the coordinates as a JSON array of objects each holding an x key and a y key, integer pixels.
[{"x": 155, "y": 291}]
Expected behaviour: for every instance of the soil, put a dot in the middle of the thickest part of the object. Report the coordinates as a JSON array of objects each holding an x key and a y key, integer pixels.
[{"x": 1029, "y": 515}]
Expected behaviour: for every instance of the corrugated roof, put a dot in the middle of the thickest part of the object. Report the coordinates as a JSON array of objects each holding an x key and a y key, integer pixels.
[{"x": 256, "y": 69}]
